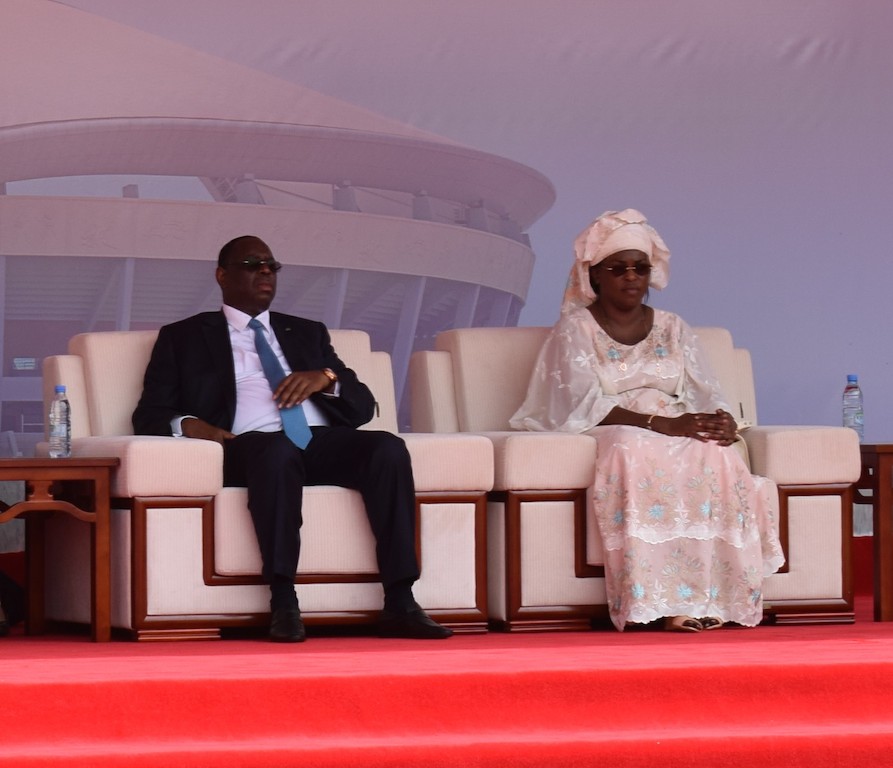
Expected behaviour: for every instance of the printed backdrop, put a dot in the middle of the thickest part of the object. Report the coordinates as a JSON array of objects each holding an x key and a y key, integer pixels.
[{"x": 754, "y": 135}]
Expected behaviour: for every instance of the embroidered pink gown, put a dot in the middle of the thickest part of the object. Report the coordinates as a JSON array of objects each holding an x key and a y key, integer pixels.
[{"x": 686, "y": 529}]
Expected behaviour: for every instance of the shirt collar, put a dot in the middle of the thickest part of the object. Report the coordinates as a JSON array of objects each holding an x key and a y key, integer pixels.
[{"x": 239, "y": 320}]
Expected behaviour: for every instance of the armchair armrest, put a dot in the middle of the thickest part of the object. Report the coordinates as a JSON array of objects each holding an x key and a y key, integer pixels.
[
  {"x": 798, "y": 455},
  {"x": 542, "y": 460},
  {"x": 450, "y": 462},
  {"x": 158, "y": 466}
]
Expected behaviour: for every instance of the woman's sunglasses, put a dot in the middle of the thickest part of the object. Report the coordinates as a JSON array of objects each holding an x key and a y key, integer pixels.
[{"x": 619, "y": 270}]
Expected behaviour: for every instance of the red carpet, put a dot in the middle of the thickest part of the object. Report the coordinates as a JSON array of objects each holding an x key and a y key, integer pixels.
[{"x": 794, "y": 696}]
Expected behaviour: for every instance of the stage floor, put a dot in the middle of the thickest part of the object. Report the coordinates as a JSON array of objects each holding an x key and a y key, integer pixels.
[{"x": 811, "y": 695}]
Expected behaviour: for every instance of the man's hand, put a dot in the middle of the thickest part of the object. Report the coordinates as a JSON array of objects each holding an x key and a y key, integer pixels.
[
  {"x": 201, "y": 430},
  {"x": 298, "y": 386}
]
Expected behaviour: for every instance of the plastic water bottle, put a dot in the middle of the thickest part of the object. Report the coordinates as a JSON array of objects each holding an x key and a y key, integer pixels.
[
  {"x": 852, "y": 406},
  {"x": 60, "y": 425}
]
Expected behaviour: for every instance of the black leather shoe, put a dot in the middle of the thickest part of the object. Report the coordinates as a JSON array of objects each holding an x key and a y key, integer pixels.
[
  {"x": 414, "y": 625},
  {"x": 286, "y": 626}
]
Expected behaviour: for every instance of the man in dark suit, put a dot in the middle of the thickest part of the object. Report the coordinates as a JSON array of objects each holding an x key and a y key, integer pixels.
[{"x": 205, "y": 380}]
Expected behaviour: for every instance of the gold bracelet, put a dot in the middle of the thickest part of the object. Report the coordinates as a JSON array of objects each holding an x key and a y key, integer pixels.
[{"x": 648, "y": 423}]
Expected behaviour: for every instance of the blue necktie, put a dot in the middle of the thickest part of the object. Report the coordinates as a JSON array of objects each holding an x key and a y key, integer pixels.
[{"x": 294, "y": 422}]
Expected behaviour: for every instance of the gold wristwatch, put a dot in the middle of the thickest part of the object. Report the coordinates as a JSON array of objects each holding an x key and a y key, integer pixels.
[{"x": 332, "y": 376}]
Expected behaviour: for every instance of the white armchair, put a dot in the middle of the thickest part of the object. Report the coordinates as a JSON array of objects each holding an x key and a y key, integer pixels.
[
  {"x": 545, "y": 560},
  {"x": 185, "y": 561}
]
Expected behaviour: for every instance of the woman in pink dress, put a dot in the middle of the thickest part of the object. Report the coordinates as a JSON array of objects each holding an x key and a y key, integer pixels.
[{"x": 688, "y": 533}]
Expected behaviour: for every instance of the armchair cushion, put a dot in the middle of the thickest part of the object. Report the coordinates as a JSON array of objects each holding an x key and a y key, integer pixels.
[
  {"x": 114, "y": 364},
  {"x": 486, "y": 367}
]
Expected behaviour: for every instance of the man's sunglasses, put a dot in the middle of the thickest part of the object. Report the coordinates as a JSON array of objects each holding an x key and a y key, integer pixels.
[
  {"x": 619, "y": 270},
  {"x": 255, "y": 265}
]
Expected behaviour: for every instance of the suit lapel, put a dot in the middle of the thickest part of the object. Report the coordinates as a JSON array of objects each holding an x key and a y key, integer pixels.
[{"x": 290, "y": 339}]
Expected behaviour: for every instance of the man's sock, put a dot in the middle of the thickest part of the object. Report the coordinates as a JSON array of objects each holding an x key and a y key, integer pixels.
[
  {"x": 398, "y": 597},
  {"x": 282, "y": 594}
]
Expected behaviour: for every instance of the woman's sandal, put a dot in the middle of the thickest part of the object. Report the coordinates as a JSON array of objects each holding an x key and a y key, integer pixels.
[
  {"x": 682, "y": 624},
  {"x": 711, "y": 623}
]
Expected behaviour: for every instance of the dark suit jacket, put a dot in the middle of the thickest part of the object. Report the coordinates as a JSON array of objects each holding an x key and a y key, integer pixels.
[{"x": 191, "y": 373}]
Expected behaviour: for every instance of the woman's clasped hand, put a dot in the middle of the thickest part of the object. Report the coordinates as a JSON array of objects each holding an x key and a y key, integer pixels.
[{"x": 718, "y": 426}]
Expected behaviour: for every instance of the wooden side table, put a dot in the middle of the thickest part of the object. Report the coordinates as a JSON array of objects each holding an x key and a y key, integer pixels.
[
  {"x": 877, "y": 477},
  {"x": 77, "y": 487}
]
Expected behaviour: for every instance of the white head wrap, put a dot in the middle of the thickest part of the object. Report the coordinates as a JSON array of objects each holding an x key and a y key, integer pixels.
[{"x": 610, "y": 233}]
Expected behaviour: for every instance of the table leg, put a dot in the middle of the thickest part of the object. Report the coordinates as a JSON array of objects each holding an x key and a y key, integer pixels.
[
  {"x": 34, "y": 575},
  {"x": 882, "y": 510},
  {"x": 102, "y": 576}
]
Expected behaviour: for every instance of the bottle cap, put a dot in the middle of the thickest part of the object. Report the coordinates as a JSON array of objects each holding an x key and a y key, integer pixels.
[
  {"x": 852, "y": 377},
  {"x": 60, "y": 388}
]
